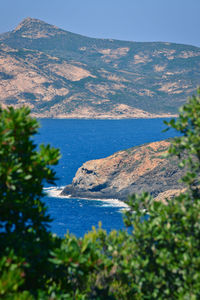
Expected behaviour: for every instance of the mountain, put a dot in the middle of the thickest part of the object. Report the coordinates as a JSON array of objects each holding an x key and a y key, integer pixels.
[
  {"x": 138, "y": 169},
  {"x": 61, "y": 74}
]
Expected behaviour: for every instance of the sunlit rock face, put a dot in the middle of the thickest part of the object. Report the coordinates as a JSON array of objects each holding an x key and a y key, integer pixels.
[{"x": 141, "y": 168}]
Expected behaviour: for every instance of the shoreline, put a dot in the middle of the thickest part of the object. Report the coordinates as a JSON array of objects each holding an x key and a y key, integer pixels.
[
  {"x": 57, "y": 193},
  {"x": 104, "y": 119},
  {"x": 70, "y": 191}
]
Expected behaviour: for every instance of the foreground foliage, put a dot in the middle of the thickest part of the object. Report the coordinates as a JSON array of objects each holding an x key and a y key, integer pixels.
[{"x": 158, "y": 257}]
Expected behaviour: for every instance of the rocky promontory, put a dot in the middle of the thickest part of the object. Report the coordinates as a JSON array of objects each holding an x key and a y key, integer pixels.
[{"x": 141, "y": 168}]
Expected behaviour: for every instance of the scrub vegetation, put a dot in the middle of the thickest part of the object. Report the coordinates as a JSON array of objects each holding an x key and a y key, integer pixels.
[{"x": 68, "y": 75}]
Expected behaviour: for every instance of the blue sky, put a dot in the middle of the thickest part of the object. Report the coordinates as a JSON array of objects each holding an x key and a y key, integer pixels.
[{"x": 135, "y": 20}]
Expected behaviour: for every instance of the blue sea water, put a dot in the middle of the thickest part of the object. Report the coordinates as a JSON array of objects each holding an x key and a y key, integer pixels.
[{"x": 83, "y": 140}]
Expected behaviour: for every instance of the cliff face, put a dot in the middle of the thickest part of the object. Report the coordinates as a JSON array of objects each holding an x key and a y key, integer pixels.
[
  {"x": 138, "y": 169},
  {"x": 60, "y": 74}
]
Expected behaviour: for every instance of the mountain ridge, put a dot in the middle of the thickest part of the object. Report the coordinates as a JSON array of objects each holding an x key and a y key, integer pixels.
[{"x": 67, "y": 75}]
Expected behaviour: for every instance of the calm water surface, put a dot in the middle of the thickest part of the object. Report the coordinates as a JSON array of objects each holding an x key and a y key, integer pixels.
[{"x": 83, "y": 140}]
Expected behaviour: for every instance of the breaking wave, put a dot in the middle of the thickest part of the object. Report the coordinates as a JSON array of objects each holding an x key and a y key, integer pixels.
[{"x": 56, "y": 191}]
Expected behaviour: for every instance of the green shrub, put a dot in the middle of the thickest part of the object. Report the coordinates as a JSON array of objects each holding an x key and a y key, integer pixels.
[
  {"x": 23, "y": 171},
  {"x": 12, "y": 277}
]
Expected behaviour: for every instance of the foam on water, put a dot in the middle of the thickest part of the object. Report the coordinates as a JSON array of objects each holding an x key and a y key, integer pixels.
[{"x": 55, "y": 193}]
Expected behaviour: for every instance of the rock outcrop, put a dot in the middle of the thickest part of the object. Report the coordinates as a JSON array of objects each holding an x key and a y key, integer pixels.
[{"x": 141, "y": 168}]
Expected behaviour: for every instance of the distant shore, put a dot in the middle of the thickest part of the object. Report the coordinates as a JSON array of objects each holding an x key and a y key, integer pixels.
[{"x": 76, "y": 117}]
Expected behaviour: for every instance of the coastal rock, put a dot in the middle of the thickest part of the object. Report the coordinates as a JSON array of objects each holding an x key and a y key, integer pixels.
[{"x": 138, "y": 169}]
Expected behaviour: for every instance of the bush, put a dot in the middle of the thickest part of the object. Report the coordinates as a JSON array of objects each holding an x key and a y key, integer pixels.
[{"x": 23, "y": 171}]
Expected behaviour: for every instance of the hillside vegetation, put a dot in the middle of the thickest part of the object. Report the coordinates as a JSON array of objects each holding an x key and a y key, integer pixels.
[{"x": 65, "y": 75}]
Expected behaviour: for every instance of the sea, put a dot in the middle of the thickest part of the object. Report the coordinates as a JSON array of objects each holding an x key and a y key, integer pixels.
[{"x": 80, "y": 141}]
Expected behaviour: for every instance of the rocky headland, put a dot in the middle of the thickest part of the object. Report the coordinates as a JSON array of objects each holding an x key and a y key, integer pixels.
[{"x": 138, "y": 169}]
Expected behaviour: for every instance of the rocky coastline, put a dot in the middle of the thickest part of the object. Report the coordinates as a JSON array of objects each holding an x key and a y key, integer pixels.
[{"x": 138, "y": 169}]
